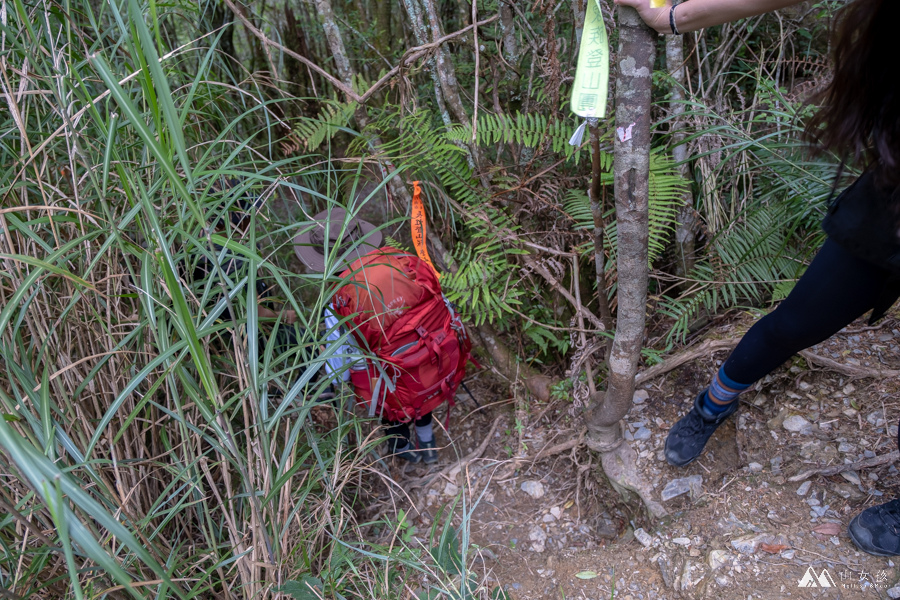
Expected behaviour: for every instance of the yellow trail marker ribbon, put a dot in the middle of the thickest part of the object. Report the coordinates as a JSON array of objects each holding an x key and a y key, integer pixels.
[
  {"x": 589, "y": 93},
  {"x": 419, "y": 232}
]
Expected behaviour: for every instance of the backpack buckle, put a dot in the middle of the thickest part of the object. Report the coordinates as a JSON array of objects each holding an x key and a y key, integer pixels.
[{"x": 422, "y": 331}]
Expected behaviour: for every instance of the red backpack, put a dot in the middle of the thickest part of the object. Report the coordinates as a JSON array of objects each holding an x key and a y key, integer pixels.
[{"x": 419, "y": 345}]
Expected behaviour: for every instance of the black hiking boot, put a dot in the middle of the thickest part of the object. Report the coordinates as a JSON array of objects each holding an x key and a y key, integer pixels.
[
  {"x": 876, "y": 530},
  {"x": 402, "y": 448},
  {"x": 428, "y": 452},
  {"x": 689, "y": 435}
]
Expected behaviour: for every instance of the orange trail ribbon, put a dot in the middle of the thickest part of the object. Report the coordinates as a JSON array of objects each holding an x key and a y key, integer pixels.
[{"x": 418, "y": 227}]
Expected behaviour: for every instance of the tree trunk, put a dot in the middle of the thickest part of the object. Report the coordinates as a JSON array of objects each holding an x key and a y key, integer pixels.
[
  {"x": 685, "y": 234},
  {"x": 510, "y": 42},
  {"x": 383, "y": 24},
  {"x": 632, "y": 177}
]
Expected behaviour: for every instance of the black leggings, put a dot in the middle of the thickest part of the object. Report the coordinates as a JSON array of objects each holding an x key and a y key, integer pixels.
[
  {"x": 395, "y": 429},
  {"x": 836, "y": 289}
]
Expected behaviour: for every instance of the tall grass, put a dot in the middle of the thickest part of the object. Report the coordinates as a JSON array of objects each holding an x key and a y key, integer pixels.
[{"x": 157, "y": 441}]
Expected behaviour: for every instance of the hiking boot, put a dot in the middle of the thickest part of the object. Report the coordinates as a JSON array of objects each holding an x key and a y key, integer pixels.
[
  {"x": 688, "y": 436},
  {"x": 876, "y": 530},
  {"x": 428, "y": 452},
  {"x": 402, "y": 448}
]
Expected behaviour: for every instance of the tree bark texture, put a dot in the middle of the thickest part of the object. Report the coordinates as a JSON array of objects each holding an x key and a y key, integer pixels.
[
  {"x": 511, "y": 49},
  {"x": 335, "y": 41},
  {"x": 599, "y": 228},
  {"x": 686, "y": 223},
  {"x": 383, "y": 24},
  {"x": 632, "y": 177}
]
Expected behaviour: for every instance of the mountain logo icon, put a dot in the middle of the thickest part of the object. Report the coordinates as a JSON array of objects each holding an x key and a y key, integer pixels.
[{"x": 811, "y": 580}]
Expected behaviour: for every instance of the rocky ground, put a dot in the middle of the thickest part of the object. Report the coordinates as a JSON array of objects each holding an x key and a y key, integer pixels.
[{"x": 738, "y": 525}]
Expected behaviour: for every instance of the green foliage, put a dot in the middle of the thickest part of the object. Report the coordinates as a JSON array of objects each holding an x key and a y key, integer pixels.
[
  {"x": 667, "y": 188},
  {"x": 333, "y": 118},
  {"x": 307, "y": 588},
  {"x": 531, "y": 130}
]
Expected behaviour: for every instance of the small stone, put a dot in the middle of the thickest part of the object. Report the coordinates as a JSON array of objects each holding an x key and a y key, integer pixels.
[
  {"x": 606, "y": 529},
  {"x": 748, "y": 544},
  {"x": 796, "y": 424},
  {"x": 850, "y": 413},
  {"x": 849, "y": 389},
  {"x": 643, "y": 537},
  {"x": 539, "y": 538},
  {"x": 535, "y": 489},
  {"x": 894, "y": 592},
  {"x": 852, "y": 477},
  {"x": 755, "y": 467},
  {"x": 804, "y": 488},
  {"x": 556, "y": 512},
  {"x": 642, "y": 434},
  {"x": 788, "y": 554},
  {"x": 548, "y": 518},
  {"x": 819, "y": 511},
  {"x": 846, "y": 448},
  {"x": 869, "y": 454},
  {"x": 641, "y": 396},
  {"x": 682, "y": 541},
  {"x": 804, "y": 386},
  {"x": 451, "y": 489},
  {"x": 717, "y": 559},
  {"x": 682, "y": 485}
]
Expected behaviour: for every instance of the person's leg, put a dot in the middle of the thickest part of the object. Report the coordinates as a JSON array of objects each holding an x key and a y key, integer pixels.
[
  {"x": 425, "y": 437},
  {"x": 836, "y": 289},
  {"x": 399, "y": 442}
]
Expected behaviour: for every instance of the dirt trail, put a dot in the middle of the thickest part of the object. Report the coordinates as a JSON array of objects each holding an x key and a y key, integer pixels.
[{"x": 741, "y": 529}]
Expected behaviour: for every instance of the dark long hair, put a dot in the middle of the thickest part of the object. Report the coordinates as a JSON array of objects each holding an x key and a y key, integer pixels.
[{"x": 860, "y": 114}]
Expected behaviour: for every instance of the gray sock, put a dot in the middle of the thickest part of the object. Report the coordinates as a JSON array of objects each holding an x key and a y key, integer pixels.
[{"x": 424, "y": 433}]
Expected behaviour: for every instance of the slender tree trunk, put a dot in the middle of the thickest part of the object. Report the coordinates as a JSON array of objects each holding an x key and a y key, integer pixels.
[
  {"x": 445, "y": 68},
  {"x": 686, "y": 223},
  {"x": 599, "y": 228},
  {"x": 632, "y": 178},
  {"x": 335, "y": 41},
  {"x": 383, "y": 25},
  {"x": 511, "y": 51},
  {"x": 414, "y": 12}
]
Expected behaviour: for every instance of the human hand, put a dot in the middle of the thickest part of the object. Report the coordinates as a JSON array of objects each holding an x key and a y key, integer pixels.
[{"x": 656, "y": 18}]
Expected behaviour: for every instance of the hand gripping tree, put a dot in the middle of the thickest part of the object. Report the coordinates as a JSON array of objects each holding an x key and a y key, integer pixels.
[{"x": 606, "y": 410}]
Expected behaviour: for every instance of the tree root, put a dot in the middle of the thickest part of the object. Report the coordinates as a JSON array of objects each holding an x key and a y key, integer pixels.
[
  {"x": 620, "y": 466},
  {"x": 837, "y": 469}
]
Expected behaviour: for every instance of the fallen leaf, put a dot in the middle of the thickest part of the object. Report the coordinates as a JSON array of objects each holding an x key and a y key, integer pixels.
[
  {"x": 828, "y": 529},
  {"x": 586, "y": 575},
  {"x": 773, "y": 548},
  {"x": 569, "y": 505}
]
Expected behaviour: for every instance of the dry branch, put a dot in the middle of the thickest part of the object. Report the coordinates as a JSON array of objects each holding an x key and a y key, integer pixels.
[
  {"x": 837, "y": 469},
  {"x": 705, "y": 349},
  {"x": 460, "y": 464},
  {"x": 846, "y": 369}
]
